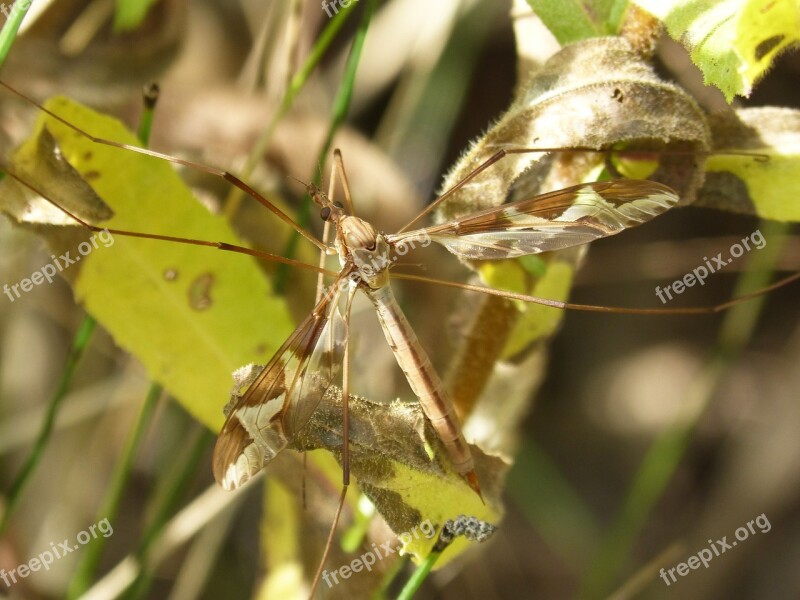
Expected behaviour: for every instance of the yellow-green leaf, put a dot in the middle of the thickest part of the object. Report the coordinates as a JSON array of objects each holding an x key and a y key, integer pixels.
[
  {"x": 733, "y": 42},
  {"x": 190, "y": 314}
]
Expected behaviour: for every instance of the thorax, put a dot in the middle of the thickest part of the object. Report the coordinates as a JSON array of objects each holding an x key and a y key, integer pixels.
[{"x": 360, "y": 245}]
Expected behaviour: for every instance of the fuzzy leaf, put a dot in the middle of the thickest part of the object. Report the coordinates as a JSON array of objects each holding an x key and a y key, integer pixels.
[
  {"x": 390, "y": 446},
  {"x": 595, "y": 94}
]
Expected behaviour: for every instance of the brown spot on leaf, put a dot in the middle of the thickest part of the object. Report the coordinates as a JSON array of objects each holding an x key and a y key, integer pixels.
[
  {"x": 200, "y": 292},
  {"x": 767, "y": 45}
]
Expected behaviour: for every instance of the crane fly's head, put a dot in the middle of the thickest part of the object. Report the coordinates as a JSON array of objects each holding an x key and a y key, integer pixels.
[{"x": 328, "y": 211}]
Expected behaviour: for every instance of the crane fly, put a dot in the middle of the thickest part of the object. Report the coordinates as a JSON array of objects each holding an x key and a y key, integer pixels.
[
  {"x": 279, "y": 399},
  {"x": 286, "y": 391}
]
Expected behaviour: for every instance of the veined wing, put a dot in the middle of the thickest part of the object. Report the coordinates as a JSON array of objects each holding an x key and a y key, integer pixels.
[
  {"x": 552, "y": 221},
  {"x": 282, "y": 395}
]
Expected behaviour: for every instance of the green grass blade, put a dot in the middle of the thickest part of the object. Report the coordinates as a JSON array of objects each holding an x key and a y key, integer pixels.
[
  {"x": 173, "y": 485},
  {"x": 669, "y": 448},
  {"x": 149, "y": 100}
]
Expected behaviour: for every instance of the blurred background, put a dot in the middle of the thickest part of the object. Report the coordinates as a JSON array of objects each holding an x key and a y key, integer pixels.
[{"x": 646, "y": 438}]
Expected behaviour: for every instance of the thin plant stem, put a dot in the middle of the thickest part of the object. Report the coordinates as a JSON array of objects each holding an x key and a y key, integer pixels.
[
  {"x": 341, "y": 107},
  {"x": 87, "y": 567},
  {"x": 11, "y": 27},
  {"x": 419, "y": 576},
  {"x": 234, "y": 199},
  {"x": 79, "y": 344},
  {"x": 174, "y": 486}
]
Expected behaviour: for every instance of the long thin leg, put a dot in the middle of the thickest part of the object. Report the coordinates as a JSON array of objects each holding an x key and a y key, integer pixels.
[
  {"x": 226, "y": 175},
  {"x": 345, "y": 445},
  {"x": 348, "y": 198},
  {"x": 169, "y": 238},
  {"x": 695, "y": 310},
  {"x": 326, "y": 231},
  {"x": 336, "y": 169},
  {"x": 346, "y": 393}
]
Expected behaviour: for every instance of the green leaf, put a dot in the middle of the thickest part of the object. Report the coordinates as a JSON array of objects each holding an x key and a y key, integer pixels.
[
  {"x": 733, "y": 42},
  {"x": 576, "y": 20},
  {"x": 190, "y": 314},
  {"x": 129, "y": 14}
]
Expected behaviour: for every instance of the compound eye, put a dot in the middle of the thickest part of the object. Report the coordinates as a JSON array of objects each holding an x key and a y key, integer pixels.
[
  {"x": 325, "y": 213},
  {"x": 339, "y": 205}
]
